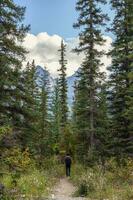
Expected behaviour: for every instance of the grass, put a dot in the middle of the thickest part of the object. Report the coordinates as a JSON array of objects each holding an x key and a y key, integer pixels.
[
  {"x": 29, "y": 185},
  {"x": 116, "y": 183},
  {"x": 33, "y": 183}
]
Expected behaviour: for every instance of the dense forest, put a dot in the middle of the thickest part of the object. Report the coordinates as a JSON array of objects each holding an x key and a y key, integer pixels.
[{"x": 38, "y": 127}]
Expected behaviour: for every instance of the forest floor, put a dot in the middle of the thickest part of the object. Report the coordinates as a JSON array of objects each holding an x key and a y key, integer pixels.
[{"x": 64, "y": 190}]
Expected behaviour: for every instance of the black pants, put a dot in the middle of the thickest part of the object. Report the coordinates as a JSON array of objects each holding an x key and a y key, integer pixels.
[{"x": 68, "y": 170}]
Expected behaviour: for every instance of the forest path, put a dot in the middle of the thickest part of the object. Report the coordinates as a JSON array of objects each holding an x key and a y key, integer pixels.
[{"x": 64, "y": 190}]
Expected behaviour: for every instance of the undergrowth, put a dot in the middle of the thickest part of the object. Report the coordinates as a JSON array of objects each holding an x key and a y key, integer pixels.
[
  {"x": 112, "y": 183},
  {"x": 35, "y": 182}
]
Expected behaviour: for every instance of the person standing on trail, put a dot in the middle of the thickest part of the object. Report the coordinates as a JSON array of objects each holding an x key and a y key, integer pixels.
[{"x": 68, "y": 162}]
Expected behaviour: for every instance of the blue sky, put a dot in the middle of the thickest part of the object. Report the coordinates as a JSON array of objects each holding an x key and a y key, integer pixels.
[
  {"x": 52, "y": 20},
  {"x": 53, "y": 16}
]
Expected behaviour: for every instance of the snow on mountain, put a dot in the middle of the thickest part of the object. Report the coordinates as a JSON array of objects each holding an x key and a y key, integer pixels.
[
  {"x": 71, "y": 82},
  {"x": 41, "y": 72}
]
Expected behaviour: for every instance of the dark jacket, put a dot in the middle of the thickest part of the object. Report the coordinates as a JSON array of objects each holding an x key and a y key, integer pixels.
[{"x": 68, "y": 161}]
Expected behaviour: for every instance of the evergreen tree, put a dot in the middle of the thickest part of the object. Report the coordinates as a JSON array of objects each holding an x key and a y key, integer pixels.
[
  {"x": 43, "y": 141},
  {"x": 63, "y": 87},
  {"x": 55, "y": 113},
  {"x": 121, "y": 78},
  {"x": 102, "y": 123},
  {"x": 91, "y": 19},
  {"x": 12, "y": 53},
  {"x": 80, "y": 117},
  {"x": 31, "y": 103}
]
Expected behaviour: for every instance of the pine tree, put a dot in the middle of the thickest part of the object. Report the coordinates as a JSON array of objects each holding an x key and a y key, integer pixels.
[
  {"x": 63, "y": 86},
  {"x": 31, "y": 103},
  {"x": 91, "y": 19},
  {"x": 121, "y": 78},
  {"x": 102, "y": 123},
  {"x": 55, "y": 113},
  {"x": 12, "y": 34},
  {"x": 43, "y": 141},
  {"x": 80, "y": 120}
]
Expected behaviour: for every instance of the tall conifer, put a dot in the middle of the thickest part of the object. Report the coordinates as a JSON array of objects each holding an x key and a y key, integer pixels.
[
  {"x": 121, "y": 78},
  {"x": 43, "y": 122},
  {"x": 12, "y": 33},
  {"x": 63, "y": 86},
  {"x": 55, "y": 113},
  {"x": 91, "y": 19}
]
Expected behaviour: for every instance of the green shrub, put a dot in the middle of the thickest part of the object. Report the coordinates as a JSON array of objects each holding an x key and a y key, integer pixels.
[
  {"x": 113, "y": 184},
  {"x": 33, "y": 182},
  {"x": 16, "y": 159},
  {"x": 82, "y": 189}
]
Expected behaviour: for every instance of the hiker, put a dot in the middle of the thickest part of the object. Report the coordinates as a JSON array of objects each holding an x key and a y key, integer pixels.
[{"x": 68, "y": 162}]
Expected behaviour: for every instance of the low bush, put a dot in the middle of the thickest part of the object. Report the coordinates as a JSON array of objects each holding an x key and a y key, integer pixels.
[
  {"x": 35, "y": 182},
  {"x": 115, "y": 183}
]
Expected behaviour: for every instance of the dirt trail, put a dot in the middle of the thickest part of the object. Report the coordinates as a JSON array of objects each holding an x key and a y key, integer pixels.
[{"x": 64, "y": 191}]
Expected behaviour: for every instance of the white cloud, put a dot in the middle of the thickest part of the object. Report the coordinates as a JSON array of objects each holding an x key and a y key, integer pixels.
[{"x": 43, "y": 48}]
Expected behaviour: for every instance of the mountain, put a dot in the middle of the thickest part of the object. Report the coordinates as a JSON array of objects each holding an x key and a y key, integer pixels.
[
  {"x": 71, "y": 82},
  {"x": 43, "y": 73}
]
